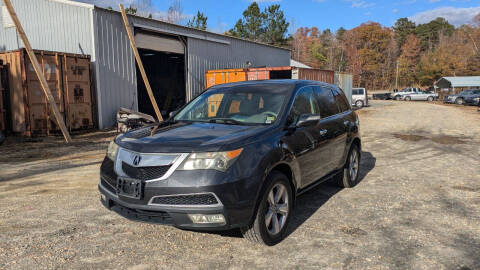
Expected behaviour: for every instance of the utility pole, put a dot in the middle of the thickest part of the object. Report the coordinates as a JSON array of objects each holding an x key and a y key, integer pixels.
[{"x": 396, "y": 78}]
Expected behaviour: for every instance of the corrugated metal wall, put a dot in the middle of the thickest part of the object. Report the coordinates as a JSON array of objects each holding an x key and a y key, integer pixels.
[
  {"x": 50, "y": 26},
  {"x": 116, "y": 71},
  {"x": 116, "y": 79},
  {"x": 205, "y": 55}
]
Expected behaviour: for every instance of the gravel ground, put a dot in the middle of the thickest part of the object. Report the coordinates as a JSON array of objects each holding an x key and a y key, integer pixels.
[{"x": 417, "y": 206}]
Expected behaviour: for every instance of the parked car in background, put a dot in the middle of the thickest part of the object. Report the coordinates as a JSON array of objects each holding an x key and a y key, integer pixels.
[
  {"x": 382, "y": 96},
  {"x": 420, "y": 95},
  {"x": 465, "y": 97},
  {"x": 237, "y": 156},
  {"x": 405, "y": 92},
  {"x": 359, "y": 97}
]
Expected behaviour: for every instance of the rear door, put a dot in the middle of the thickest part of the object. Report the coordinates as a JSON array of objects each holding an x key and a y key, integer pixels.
[{"x": 328, "y": 131}]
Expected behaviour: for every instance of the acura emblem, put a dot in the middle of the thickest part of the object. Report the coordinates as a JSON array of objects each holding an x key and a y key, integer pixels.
[{"x": 136, "y": 160}]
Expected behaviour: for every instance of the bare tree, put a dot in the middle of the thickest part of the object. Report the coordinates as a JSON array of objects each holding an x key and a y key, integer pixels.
[{"x": 175, "y": 12}]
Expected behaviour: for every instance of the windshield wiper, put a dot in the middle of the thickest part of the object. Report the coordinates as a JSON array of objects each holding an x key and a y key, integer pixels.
[{"x": 226, "y": 121}]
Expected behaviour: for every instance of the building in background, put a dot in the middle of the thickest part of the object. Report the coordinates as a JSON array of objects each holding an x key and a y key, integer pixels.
[{"x": 175, "y": 57}]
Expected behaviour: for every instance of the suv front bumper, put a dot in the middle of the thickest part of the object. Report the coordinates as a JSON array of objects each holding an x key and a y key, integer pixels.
[
  {"x": 175, "y": 216},
  {"x": 234, "y": 198}
]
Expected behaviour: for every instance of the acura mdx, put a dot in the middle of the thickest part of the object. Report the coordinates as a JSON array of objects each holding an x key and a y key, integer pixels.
[{"x": 236, "y": 156}]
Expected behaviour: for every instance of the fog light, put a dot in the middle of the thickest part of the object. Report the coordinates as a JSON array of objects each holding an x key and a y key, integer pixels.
[
  {"x": 207, "y": 219},
  {"x": 103, "y": 197}
]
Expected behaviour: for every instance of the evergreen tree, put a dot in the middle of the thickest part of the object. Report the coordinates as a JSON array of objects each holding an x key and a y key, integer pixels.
[
  {"x": 269, "y": 26},
  {"x": 199, "y": 21},
  {"x": 402, "y": 29}
]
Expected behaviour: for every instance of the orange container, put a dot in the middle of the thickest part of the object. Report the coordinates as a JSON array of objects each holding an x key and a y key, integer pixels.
[
  {"x": 221, "y": 76},
  {"x": 214, "y": 77}
]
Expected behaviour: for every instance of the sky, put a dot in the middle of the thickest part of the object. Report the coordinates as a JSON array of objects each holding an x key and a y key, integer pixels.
[{"x": 332, "y": 14}]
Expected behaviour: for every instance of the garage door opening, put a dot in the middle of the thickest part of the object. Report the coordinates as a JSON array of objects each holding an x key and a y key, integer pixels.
[{"x": 165, "y": 71}]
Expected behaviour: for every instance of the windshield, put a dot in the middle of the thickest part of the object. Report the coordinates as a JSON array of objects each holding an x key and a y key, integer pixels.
[{"x": 241, "y": 106}]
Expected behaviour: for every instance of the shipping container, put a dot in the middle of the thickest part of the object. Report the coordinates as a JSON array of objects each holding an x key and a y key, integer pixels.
[
  {"x": 221, "y": 76},
  {"x": 68, "y": 77},
  {"x": 3, "y": 96},
  {"x": 214, "y": 77}
]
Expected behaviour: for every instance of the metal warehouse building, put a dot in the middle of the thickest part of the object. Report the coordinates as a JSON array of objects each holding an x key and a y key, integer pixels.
[{"x": 175, "y": 57}]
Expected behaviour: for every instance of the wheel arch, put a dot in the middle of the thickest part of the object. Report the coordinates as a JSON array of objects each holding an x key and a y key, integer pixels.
[{"x": 284, "y": 168}]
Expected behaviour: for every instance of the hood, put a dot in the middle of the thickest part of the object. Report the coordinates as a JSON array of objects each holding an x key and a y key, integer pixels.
[{"x": 185, "y": 137}]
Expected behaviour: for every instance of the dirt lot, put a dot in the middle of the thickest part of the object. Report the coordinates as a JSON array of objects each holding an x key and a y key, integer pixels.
[{"x": 417, "y": 206}]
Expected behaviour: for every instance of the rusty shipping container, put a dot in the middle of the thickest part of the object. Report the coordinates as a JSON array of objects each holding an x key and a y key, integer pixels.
[
  {"x": 68, "y": 76},
  {"x": 214, "y": 77},
  {"x": 3, "y": 96}
]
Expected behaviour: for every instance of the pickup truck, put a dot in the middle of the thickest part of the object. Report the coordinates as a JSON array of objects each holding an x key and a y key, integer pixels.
[{"x": 400, "y": 95}]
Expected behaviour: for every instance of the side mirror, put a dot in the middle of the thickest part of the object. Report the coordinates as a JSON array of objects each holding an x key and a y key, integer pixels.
[
  {"x": 172, "y": 114},
  {"x": 308, "y": 120}
]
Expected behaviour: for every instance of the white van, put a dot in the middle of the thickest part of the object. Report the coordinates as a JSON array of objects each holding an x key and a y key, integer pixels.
[{"x": 359, "y": 97}]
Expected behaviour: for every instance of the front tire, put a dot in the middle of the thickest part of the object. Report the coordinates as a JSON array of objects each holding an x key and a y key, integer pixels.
[
  {"x": 348, "y": 177},
  {"x": 359, "y": 104},
  {"x": 408, "y": 98},
  {"x": 274, "y": 212},
  {"x": 459, "y": 101},
  {"x": 398, "y": 98},
  {"x": 430, "y": 99}
]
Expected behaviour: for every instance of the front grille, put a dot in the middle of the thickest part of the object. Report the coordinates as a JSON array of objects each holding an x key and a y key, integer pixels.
[
  {"x": 194, "y": 199},
  {"x": 142, "y": 215},
  {"x": 144, "y": 173}
]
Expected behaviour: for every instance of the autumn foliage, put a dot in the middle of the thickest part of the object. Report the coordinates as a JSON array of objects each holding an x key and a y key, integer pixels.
[{"x": 371, "y": 52}]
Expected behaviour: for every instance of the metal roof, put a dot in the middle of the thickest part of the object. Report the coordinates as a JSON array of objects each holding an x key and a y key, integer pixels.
[
  {"x": 298, "y": 64},
  {"x": 453, "y": 82}
]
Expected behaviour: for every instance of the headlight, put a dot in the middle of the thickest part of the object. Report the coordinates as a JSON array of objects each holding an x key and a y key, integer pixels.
[
  {"x": 219, "y": 161},
  {"x": 112, "y": 150},
  {"x": 477, "y": 99}
]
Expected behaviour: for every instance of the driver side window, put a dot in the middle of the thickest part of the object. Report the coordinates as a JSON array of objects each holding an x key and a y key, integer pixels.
[{"x": 304, "y": 103}]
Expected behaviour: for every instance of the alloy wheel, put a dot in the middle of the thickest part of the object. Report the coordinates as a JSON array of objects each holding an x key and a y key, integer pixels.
[
  {"x": 277, "y": 209},
  {"x": 353, "y": 166}
]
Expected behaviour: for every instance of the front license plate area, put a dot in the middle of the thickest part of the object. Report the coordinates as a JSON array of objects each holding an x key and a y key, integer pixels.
[{"x": 128, "y": 187}]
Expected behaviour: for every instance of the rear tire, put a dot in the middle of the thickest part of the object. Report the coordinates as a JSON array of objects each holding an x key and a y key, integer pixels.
[
  {"x": 348, "y": 178},
  {"x": 430, "y": 99},
  {"x": 459, "y": 101},
  {"x": 359, "y": 104},
  {"x": 397, "y": 98},
  {"x": 274, "y": 212}
]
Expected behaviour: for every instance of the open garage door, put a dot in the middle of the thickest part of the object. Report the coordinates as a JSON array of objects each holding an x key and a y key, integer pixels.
[
  {"x": 164, "y": 60},
  {"x": 159, "y": 43}
]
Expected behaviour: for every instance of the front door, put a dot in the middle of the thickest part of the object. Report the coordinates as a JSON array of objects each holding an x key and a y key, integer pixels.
[{"x": 303, "y": 141}]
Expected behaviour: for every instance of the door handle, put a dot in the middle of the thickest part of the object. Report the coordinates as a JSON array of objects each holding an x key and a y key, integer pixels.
[{"x": 323, "y": 132}]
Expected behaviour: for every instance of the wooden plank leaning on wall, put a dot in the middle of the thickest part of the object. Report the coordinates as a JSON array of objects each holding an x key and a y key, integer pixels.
[{"x": 38, "y": 70}]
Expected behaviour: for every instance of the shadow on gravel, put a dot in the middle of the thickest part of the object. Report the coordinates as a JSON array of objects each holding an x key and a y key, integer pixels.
[{"x": 308, "y": 203}]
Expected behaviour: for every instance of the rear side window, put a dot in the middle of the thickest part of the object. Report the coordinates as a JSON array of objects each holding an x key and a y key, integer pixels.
[
  {"x": 354, "y": 92},
  {"x": 341, "y": 100},
  {"x": 326, "y": 101},
  {"x": 305, "y": 103}
]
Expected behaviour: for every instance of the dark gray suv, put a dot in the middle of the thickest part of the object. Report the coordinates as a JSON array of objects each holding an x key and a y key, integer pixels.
[
  {"x": 466, "y": 97},
  {"x": 237, "y": 156}
]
